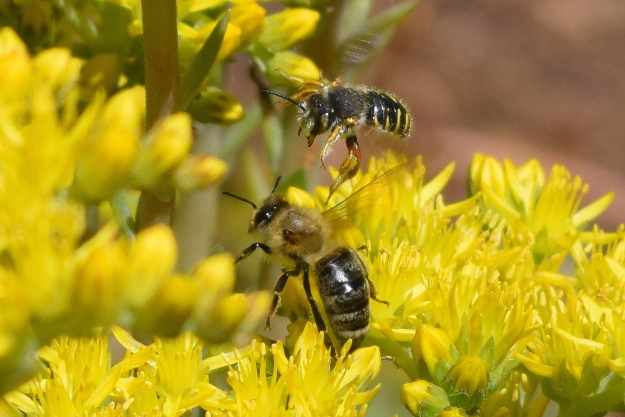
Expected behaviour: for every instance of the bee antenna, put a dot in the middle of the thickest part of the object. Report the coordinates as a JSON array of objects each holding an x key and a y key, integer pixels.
[
  {"x": 276, "y": 185},
  {"x": 240, "y": 198},
  {"x": 287, "y": 98}
]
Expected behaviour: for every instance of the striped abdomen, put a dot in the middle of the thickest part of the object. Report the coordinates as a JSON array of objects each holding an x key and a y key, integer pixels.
[
  {"x": 344, "y": 290},
  {"x": 387, "y": 113}
]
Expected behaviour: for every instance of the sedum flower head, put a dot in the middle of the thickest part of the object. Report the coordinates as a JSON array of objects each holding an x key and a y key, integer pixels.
[
  {"x": 57, "y": 160},
  {"x": 306, "y": 382},
  {"x": 547, "y": 208}
]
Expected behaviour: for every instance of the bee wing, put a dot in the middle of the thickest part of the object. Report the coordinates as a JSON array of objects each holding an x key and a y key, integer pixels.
[{"x": 365, "y": 197}]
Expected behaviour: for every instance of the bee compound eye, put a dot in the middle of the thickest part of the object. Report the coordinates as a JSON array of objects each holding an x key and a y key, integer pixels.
[{"x": 264, "y": 215}]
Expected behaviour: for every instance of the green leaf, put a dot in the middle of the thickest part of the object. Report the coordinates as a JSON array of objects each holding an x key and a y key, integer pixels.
[
  {"x": 203, "y": 61},
  {"x": 353, "y": 14},
  {"x": 487, "y": 354},
  {"x": 361, "y": 47},
  {"x": 122, "y": 214}
]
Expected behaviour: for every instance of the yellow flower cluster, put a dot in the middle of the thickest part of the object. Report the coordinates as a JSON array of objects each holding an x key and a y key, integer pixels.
[
  {"x": 172, "y": 376},
  {"x": 481, "y": 312},
  {"x": 56, "y": 275}
]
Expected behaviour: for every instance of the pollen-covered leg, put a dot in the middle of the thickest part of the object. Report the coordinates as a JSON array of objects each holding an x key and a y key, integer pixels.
[
  {"x": 349, "y": 167},
  {"x": 327, "y": 146},
  {"x": 277, "y": 290}
]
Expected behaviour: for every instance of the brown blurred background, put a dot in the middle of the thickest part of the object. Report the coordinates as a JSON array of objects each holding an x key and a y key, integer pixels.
[{"x": 519, "y": 79}]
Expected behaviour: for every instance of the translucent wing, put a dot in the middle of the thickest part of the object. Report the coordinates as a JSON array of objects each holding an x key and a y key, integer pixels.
[{"x": 363, "y": 200}]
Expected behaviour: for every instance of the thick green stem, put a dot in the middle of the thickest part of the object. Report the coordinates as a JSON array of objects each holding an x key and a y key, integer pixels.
[{"x": 162, "y": 86}]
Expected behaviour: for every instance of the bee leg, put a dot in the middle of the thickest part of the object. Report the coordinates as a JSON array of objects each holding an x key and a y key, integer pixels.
[
  {"x": 299, "y": 80},
  {"x": 302, "y": 95},
  {"x": 349, "y": 167},
  {"x": 277, "y": 290},
  {"x": 373, "y": 292},
  {"x": 250, "y": 249},
  {"x": 327, "y": 146},
  {"x": 321, "y": 326}
]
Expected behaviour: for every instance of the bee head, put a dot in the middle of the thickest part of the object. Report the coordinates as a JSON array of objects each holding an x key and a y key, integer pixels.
[
  {"x": 272, "y": 205},
  {"x": 319, "y": 115},
  {"x": 264, "y": 214}
]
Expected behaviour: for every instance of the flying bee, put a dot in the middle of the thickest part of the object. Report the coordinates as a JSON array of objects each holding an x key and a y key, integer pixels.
[
  {"x": 301, "y": 238},
  {"x": 329, "y": 106}
]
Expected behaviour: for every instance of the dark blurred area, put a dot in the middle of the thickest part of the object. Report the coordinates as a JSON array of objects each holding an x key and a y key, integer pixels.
[{"x": 515, "y": 79}]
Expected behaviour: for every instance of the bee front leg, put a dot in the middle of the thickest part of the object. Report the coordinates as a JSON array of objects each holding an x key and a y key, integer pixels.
[
  {"x": 250, "y": 249},
  {"x": 277, "y": 290},
  {"x": 349, "y": 167},
  {"x": 327, "y": 146}
]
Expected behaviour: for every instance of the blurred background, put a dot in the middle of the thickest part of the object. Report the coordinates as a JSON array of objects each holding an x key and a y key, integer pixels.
[{"x": 515, "y": 79}]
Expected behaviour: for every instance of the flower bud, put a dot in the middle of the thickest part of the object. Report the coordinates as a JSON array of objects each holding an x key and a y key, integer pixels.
[
  {"x": 250, "y": 18},
  {"x": 468, "y": 375},
  {"x": 293, "y": 64},
  {"x": 152, "y": 258},
  {"x": 15, "y": 67},
  {"x": 199, "y": 171},
  {"x": 423, "y": 398},
  {"x": 431, "y": 345},
  {"x": 171, "y": 306},
  {"x": 216, "y": 106},
  {"x": 163, "y": 150},
  {"x": 287, "y": 27}
]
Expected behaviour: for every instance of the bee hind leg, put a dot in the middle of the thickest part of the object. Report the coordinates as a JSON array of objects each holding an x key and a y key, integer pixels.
[
  {"x": 373, "y": 293},
  {"x": 349, "y": 167},
  {"x": 313, "y": 304}
]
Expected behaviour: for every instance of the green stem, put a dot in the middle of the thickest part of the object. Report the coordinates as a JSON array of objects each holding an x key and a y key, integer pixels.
[{"x": 162, "y": 90}]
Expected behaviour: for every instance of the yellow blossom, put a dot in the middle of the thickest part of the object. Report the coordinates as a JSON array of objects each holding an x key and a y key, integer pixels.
[
  {"x": 293, "y": 64},
  {"x": 423, "y": 398},
  {"x": 469, "y": 374},
  {"x": 199, "y": 171},
  {"x": 287, "y": 27},
  {"x": 432, "y": 346},
  {"x": 163, "y": 150},
  {"x": 305, "y": 382},
  {"x": 549, "y": 209}
]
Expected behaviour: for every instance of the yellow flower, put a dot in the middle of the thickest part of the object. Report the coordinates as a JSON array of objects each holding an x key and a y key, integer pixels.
[
  {"x": 305, "y": 382},
  {"x": 469, "y": 375},
  {"x": 548, "y": 209},
  {"x": 54, "y": 160},
  {"x": 112, "y": 145},
  {"x": 163, "y": 150},
  {"x": 423, "y": 398},
  {"x": 199, "y": 171},
  {"x": 287, "y": 27},
  {"x": 432, "y": 346},
  {"x": 293, "y": 64}
]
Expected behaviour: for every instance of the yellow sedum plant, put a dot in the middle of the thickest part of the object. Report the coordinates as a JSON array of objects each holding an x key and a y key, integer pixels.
[{"x": 499, "y": 304}]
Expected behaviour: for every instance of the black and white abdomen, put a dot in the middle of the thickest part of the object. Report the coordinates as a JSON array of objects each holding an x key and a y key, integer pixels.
[
  {"x": 343, "y": 286},
  {"x": 387, "y": 113}
]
